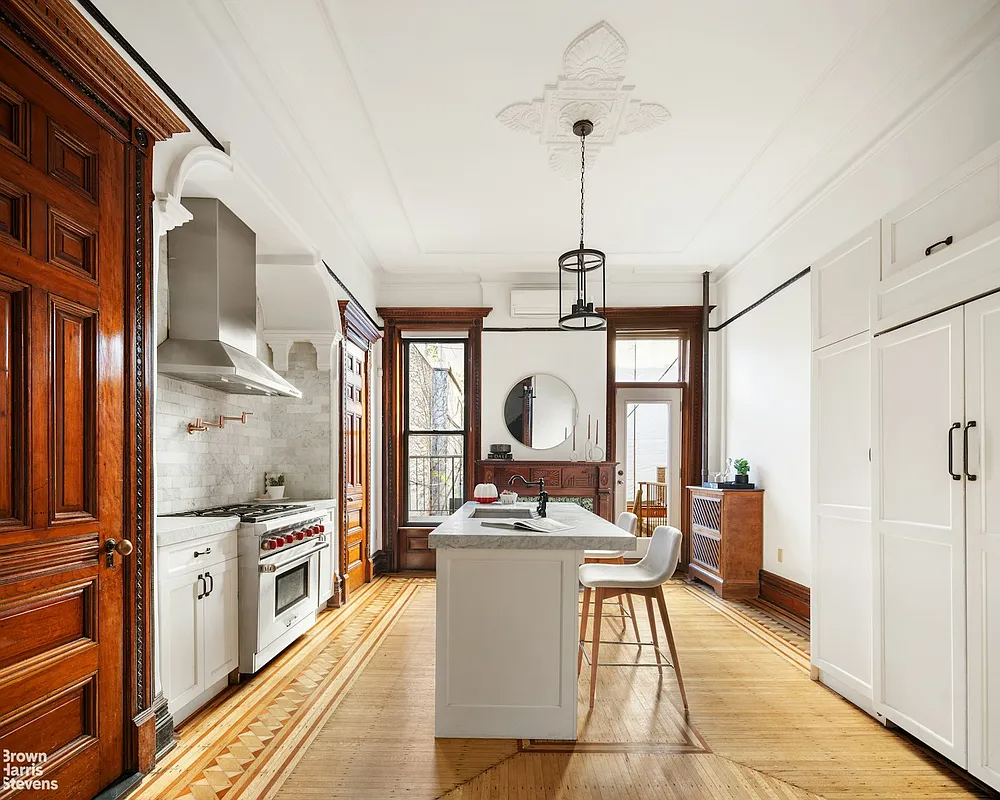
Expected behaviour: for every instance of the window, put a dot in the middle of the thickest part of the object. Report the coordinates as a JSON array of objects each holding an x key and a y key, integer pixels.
[
  {"x": 435, "y": 429},
  {"x": 647, "y": 360}
]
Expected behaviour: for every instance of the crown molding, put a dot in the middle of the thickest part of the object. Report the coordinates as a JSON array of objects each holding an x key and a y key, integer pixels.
[{"x": 84, "y": 51}]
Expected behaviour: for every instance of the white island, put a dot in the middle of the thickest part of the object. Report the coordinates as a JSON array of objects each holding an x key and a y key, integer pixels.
[{"x": 507, "y": 621}]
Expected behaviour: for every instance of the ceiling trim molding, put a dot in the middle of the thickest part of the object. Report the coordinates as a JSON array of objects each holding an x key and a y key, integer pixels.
[
  {"x": 282, "y": 121},
  {"x": 984, "y": 39}
]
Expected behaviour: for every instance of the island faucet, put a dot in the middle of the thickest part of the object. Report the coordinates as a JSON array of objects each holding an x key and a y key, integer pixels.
[{"x": 543, "y": 496}]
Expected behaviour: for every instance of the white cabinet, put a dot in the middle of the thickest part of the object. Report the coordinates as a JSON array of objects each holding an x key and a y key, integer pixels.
[
  {"x": 919, "y": 531},
  {"x": 199, "y": 621},
  {"x": 942, "y": 247},
  {"x": 982, "y": 407},
  {"x": 840, "y": 288},
  {"x": 328, "y": 560},
  {"x": 841, "y": 613}
]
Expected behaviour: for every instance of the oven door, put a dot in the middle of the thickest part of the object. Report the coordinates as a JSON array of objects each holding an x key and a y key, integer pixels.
[{"x": 288, "y": 593}]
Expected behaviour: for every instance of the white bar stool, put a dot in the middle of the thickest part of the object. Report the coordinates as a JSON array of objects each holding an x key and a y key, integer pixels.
[
  {"x": 645, "y": 578},
  {"x": 628, "y": 522}
]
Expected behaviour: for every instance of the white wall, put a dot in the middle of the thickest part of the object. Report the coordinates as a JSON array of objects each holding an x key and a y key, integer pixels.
[
  {"x": 577, "y": 358},
  {"x": 761, "y": 385},
  {"x": 767, "y": 363}
]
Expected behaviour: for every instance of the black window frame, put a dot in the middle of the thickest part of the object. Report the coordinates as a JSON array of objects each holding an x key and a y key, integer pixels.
[{"x": 427, "y": 522}]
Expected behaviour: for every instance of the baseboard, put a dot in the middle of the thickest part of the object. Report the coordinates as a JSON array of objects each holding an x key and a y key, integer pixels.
[
  {"x": 789, "y": 596},
  {"x": 380, "y": 562},
  {"x": 164, "y": 727}
]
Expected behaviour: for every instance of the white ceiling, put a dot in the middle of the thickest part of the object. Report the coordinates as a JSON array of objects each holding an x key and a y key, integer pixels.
[
  {"x": 384, "y": 114},
  {"x": 768, "y": 100}
]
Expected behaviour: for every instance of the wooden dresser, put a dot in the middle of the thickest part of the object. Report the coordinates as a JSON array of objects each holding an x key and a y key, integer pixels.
[
  {"x": 591, "y": 482},
  {"x": 727, "y": 539}
]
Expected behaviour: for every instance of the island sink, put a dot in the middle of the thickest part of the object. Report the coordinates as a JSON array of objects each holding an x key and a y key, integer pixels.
[{"x": 503, "y": 513}]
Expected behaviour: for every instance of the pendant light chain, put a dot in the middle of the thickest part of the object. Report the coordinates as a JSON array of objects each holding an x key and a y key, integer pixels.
[
  {"x": 577, "y": 265},
  {"x": 583, "y": 167}
]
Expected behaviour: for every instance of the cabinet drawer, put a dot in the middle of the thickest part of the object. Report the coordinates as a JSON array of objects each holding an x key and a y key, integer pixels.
[
  {"x": 178, "y": 558},
  {"x": 964, "y": 207},
  {"x": 962, "y": 204}
]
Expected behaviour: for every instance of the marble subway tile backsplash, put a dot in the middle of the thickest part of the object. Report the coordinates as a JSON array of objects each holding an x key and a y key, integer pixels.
[
  {"x": 216, "y": 467},
  {"x": 212, "y": 467},
  {"x": 302, "y": 429}
]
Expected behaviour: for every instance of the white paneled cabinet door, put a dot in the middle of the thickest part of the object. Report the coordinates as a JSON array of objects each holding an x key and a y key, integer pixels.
[
  {"x": 221, "y": 619},
  {"x": 841, "y": 283},
  {"x": 181, "y": 638},
  {"x": 919, "y": 531},
  {"x": 841, "y": 615},
  {"x": 982, "y": 469}
]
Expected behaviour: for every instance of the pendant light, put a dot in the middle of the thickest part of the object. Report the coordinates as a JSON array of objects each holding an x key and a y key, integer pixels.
[{"x": 579, "y": 267}]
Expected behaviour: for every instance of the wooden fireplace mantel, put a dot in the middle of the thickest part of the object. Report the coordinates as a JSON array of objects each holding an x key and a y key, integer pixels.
[{"x": 584, "y": 479}]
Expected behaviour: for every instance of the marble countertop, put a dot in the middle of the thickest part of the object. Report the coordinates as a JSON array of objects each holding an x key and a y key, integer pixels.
[
  {"x": 175, "y": 530},
  {"x": 590, "y": 532}
]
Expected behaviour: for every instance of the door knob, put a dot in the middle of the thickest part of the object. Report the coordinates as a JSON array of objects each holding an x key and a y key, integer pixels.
[{"x": 112, "y": 546}]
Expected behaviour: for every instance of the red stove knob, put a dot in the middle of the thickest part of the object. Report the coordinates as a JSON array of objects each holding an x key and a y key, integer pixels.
[
  {"x": 277, "y": 542},
  {"x": 308, "y": 532},
  {"x": 289, "y": 538},
  {"x": 266, "y": 544},
  {"x": 321, "y": 528},
  {"x": 300, "y": 535}
]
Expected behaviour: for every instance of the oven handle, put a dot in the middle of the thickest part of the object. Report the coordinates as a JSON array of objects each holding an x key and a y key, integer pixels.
[{"x": 272, "y": 567}]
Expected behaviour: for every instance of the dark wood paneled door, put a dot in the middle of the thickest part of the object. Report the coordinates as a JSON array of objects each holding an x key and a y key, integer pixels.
[
  {"x": 62, "y": 257},
  {"x": 356, "y": 466}
]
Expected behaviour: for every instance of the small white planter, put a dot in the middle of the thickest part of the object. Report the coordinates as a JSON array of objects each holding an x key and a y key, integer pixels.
[{"x": 275, "y": 492}]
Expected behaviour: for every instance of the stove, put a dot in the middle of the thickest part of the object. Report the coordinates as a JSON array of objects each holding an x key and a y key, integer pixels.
[
  {"x": 285, "y": 573},
  {"x": 247, "y": 512}
]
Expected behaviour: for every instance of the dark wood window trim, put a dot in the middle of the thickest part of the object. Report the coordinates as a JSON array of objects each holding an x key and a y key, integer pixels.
[
  {"x": 398, "y": 321},
  {"x": 685, "y": 322}
]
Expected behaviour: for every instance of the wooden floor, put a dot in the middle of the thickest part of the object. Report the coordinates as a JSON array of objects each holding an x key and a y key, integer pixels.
[{"x": 348, "y": 712}]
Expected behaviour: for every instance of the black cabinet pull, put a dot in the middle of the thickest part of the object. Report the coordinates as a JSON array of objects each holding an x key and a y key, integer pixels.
[
  {"x": 201, "y": 586},
  {"x": 211, "y": 585},
  {"x": 204, "y": 552},
  {"x": 945, "y": 242},
  {"x": 951, "y": 452},
  {"x": 965, "y": 458}
]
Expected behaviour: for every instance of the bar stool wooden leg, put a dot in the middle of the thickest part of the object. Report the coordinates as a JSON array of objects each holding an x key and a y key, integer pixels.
[
  {"x": 595, "y": 652},
  {"x": 583, "y": 628},
  {"x": 652, "y": 628},
  {"x": 670, "y": 643},
  {"x": 635, "y": 622}
]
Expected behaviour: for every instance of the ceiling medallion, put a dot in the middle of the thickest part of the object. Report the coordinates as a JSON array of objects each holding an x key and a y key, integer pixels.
[{"x": 591, "y": 87}]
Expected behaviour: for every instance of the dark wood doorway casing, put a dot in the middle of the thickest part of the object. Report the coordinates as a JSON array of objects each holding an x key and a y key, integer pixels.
[
  {"x": 77, "y": 128},
  {"x": 407, "y": 546},
  {"x": 355, "y": 487},
  {"x": 685, "y": 322}
]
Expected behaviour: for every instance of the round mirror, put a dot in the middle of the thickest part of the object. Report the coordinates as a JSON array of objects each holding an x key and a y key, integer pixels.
[{"x": 540, "y": 411}]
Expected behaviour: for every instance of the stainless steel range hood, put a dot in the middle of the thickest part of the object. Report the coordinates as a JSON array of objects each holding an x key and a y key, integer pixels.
[{"x": 212, "y": 278}]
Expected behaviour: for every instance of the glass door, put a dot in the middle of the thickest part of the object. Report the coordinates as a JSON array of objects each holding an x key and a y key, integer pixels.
[{"x": 648, "y": 442}]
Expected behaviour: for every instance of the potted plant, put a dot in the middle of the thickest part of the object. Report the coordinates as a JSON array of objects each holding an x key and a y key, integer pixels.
[
  {"x": 742, "y": 467},
  {"x": 275, "y": 485}
]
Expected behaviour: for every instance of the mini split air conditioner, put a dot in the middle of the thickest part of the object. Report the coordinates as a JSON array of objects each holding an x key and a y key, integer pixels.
[{"x": 534, "y": 303}]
